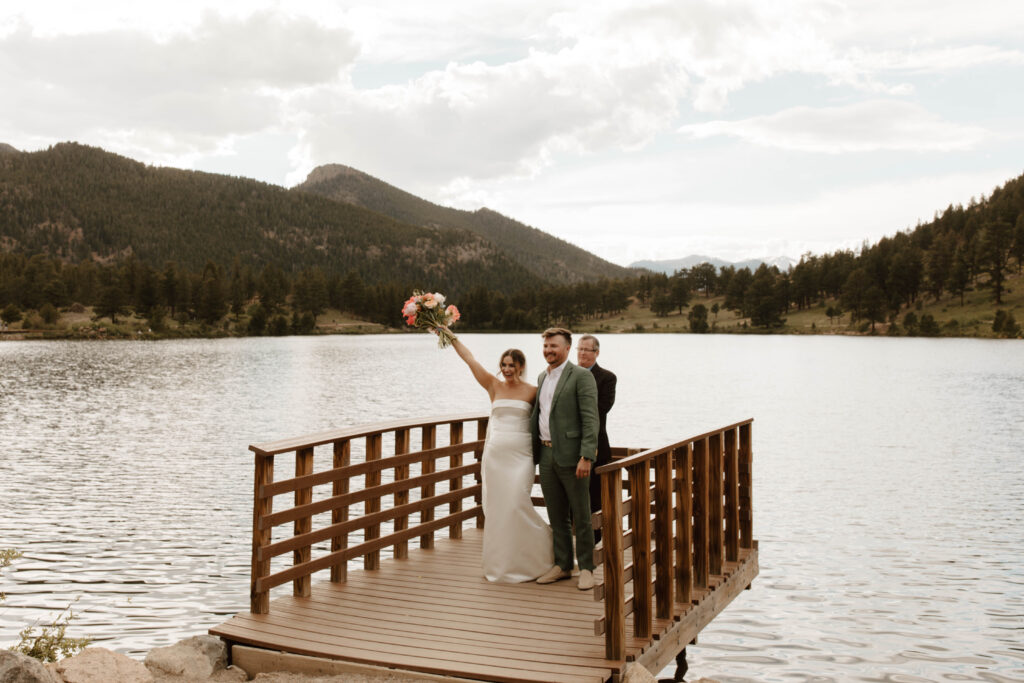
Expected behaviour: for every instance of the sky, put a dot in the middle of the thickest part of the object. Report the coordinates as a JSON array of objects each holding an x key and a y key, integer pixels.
[{"x": 634, "y": 129}]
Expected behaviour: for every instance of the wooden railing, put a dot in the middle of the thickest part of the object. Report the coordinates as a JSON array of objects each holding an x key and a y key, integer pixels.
[
  {"x": 694, "y": 513},
  {"x": 407, "y": 497},
  {"x": 687, "y": 509}
]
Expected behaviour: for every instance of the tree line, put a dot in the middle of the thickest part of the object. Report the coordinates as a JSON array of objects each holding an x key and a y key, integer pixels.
[
  {"x": 963, "y": 248},
  {"x": 274, "y": 300}
]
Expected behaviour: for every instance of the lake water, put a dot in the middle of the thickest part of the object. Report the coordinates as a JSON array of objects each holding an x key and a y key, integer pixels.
[{"x": 888, "y": 482}]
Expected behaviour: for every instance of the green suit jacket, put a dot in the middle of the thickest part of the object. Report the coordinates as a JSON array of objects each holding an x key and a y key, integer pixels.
[{"x": 573, "y": 422}]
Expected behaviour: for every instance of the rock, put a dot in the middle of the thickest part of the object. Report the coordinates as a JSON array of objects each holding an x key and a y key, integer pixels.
[
  {"x": 195, "y": 658},
  {"x": 100, "y": 665},
  {"x": 18, "y": 668},
  {"x": 232, "y": 674},
  {"x": 636, "y": 673}
]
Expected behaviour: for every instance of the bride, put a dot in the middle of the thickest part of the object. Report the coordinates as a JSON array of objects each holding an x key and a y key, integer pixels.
[{"x": 517, "y": 540}]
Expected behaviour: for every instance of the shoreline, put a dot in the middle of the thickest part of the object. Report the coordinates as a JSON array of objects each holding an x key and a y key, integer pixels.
[
  {"x": 975, "y": 318},
  {"x": 204, "y": 659}
]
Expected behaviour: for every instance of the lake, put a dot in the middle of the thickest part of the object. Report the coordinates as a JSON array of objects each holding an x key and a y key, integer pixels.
[{"x": 888, "y": 482}]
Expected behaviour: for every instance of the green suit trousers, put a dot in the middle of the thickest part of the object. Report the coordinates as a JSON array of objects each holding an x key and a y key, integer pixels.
[{"x": 564, "y": 494}]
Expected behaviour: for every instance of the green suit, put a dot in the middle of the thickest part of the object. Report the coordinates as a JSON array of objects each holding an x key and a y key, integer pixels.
[{"x": 573, "y": 425}]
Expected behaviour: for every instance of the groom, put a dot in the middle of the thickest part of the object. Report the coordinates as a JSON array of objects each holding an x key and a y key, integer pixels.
[{"x": 564, "y": 424}]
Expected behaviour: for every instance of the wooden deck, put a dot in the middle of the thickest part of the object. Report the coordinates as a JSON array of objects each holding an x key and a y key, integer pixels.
[
  {"x": 435, "y": 613},
  {"x": 678, "y": 548}
]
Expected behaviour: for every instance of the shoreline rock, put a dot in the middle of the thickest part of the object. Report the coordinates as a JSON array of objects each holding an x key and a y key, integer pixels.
[{"x": 199, "y": 659}]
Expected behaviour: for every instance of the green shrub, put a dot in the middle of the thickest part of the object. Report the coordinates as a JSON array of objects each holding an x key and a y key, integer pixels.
[
  {"x": 52, "y": 642},
  {"x": 11, "y": 314},
  {"x": 278, "y": 326},
  {"x": 928, "y": 327},
  {"x": 7, "y": 555},
  {"x": 49, "y": 314}
]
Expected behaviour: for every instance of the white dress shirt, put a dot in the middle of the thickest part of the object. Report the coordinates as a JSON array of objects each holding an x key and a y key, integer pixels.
[{"x": 547, "y": 393}]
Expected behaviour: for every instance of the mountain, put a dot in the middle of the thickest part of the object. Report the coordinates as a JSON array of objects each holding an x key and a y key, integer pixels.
[
  {"x": 8, "y": 149},
  {"x": 75, "y": 202},
  {"x": 546, "y": 256},
  {"x": 670, "y": 266}
]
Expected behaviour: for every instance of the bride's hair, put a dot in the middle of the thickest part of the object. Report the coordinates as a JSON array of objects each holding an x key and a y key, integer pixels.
[{"x": 517, "y": 357}]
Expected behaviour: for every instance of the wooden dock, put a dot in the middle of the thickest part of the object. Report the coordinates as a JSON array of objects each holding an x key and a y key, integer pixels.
[{"x": 428, "y": 609}]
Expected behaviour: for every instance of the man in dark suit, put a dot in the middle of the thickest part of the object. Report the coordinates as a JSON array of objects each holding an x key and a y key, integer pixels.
[{"x": 587, "y": 351}]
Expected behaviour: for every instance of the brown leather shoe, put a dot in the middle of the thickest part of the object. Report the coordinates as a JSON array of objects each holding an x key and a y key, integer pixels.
[
  {"x": 586, "y": 580},
  {"x": 556, "y": 573}
]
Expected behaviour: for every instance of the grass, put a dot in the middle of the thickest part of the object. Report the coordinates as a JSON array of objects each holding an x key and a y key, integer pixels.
[
  {"x": 972, "y": 319},
  {"x": 83, "y": 324}
]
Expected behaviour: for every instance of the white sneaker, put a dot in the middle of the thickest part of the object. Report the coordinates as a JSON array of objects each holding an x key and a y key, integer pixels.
[{"x": 556, "y": 573}]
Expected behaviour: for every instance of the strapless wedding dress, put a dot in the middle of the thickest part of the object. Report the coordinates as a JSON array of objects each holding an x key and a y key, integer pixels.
[{"x": 517, "y": 540}]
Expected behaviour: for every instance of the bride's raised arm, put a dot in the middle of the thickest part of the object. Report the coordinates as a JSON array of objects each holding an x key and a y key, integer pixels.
[{"x": 483, "y": 378}]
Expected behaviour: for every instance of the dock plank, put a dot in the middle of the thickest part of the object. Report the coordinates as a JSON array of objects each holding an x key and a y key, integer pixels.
[{"x": 433, "y": 612}]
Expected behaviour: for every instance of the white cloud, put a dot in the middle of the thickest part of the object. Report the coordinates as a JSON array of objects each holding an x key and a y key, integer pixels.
[
  {"x": 167, "y": 98},
  {"x": 486, "y": 121},
  {"x": 510, "y": 103},
  {"x": 863, "y": 127}
]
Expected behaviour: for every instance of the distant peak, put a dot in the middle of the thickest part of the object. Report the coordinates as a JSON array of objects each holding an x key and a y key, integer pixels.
[
  {"x": 330, "y": 171},
  {"x": 8, "y": 149}
]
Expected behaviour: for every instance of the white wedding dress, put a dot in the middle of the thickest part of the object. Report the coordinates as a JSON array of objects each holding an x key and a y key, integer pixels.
[{"x": 517, "y": 540}]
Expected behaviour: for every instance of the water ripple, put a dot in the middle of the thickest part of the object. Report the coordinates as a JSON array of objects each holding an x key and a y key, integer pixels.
[{"x": 888, "y": 488}]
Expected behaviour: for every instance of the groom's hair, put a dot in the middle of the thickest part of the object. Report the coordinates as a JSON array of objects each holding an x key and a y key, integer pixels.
[{"x": 555, "y": 331}]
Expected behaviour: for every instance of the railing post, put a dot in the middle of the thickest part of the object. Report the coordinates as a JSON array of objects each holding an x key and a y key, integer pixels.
[
  {"x": 259, "y": 602},
  {"x": 373, "y": 453},
  {"x": 614, "y": 584},
  {"x": 715, "y": 547},
  {"x": 478, "y": 453},
  {"x": 664, "y": 573},
  {"x": 684, "y": 523},
  {"x": 455, "y": 460},
  {"x": 746, "y": 460},
  {"x": 342, "y": 454},
  {"x": 640, "y": 492},
  {"x": 402, "y": 496},
  {"x": 303, "y": 466},
  {"x": 700, "y": 513},
  {"x": 429, "y": 442},
  {"x": 732, "y": 495}
]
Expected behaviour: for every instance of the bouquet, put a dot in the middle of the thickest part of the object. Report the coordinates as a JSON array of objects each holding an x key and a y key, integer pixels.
[{"x": 426, "y": 310}]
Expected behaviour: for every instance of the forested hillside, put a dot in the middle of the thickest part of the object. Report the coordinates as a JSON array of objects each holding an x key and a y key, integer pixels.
[
  {"x": 549, "y": 257},
  {"x": 94, "y": 235},
  {"x": 77, "y": 203},
  {"x": 964, "y": 249}
]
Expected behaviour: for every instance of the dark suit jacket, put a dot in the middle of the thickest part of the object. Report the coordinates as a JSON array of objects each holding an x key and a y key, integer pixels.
[{"x": 605, "y": 400}]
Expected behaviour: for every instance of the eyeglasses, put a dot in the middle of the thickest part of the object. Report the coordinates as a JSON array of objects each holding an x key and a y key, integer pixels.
[{"x": 581, "y": 349}]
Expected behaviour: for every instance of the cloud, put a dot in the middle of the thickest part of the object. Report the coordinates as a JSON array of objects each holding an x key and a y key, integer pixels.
[
  {"x": 863, "y": 127},
  {"x": 497, "y": 103},
  {"x": 485, "y": 121},
  {"x": 190, "y": 91}
]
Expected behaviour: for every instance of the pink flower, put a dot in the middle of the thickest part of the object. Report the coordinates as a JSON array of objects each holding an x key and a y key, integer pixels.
[{"x": 453, "y": 313}]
